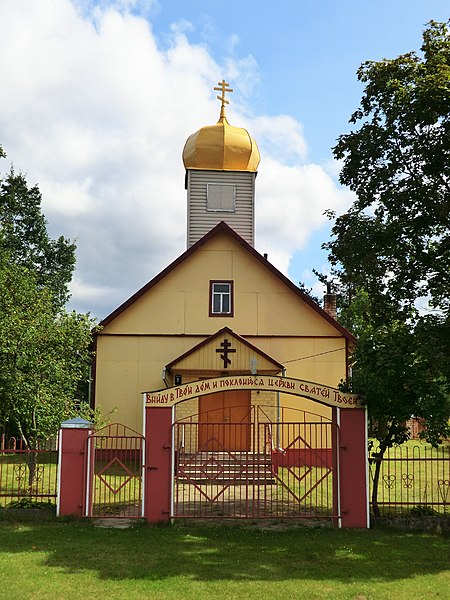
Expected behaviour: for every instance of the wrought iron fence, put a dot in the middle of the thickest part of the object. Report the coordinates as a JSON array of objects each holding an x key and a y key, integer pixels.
[
  {"x": 235, "y": 470},
  {"x": 115, "y": 472},
  {"x": 28, "y": 473},
  {"x": 412, "y": 479}
]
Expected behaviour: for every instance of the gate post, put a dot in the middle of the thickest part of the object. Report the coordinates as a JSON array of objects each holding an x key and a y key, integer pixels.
[
  {"x": 158, "y": 463},
  {"x": 73, "y": 435},
  {"x": 335, "y": 463},
  {"x": 353, "y": 468}
]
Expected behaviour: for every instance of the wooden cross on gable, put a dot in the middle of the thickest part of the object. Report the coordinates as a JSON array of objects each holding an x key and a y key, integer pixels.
[{"x": 225, "y": 349}]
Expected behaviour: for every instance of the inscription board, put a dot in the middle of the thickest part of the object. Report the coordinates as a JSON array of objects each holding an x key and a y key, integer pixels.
[{"x": 306, "y": 389}]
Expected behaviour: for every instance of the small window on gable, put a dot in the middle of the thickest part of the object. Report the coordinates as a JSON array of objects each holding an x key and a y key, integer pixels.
[
  {"x": 220, "y": 197},
  {"x": 221, "y": 299}
]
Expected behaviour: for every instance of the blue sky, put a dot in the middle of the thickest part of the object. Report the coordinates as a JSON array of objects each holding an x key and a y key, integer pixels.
[
  {"x": 307, "y": 51},
  {"x": 99, "y": 97}
]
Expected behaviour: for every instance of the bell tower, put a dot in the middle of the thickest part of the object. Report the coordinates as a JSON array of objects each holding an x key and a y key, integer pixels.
[{"x": 221, "y": 164}]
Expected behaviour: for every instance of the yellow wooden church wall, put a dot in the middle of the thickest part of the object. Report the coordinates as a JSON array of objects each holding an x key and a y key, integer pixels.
[
  {"x": 174, "y": 316},
  {"x": 123, "y": 374},
  {"x": 179, "y": 302}
]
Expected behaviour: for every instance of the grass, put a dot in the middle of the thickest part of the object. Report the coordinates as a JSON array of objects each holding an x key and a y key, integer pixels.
[{"x": 79, "y": 561}]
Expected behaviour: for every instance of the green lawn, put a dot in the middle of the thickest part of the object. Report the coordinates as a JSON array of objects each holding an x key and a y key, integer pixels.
[{"x": 77, "y": 560}]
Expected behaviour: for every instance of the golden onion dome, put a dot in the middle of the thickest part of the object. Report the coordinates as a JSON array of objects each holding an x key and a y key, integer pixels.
[{"x": 221, "y": 147}]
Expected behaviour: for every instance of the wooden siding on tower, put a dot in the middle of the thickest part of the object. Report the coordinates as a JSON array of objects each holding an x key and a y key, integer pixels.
[{"x": 201, "y": 221}]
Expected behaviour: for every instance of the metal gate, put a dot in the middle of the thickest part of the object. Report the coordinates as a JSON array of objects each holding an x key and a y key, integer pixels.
[
  {"x": 115, "y": 472},
  {"x": 280, "y": 470}
]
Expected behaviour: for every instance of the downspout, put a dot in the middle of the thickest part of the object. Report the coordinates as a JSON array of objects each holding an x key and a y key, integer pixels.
[
  {"x": 91, "y": 370},
  {"x": 90, "y": 386},
  {"x": 93, "y": 373}
]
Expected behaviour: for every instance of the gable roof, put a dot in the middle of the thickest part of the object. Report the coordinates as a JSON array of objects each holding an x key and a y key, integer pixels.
[
  {"x": 222, "y": 227},
  {"x": 211, "y": 339}
]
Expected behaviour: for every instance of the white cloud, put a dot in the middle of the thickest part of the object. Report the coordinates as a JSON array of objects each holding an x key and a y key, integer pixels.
[
  {"x": 333, "y": 167},
  {"x": 96, "y": 6},
  {"x": 290, "y": 202},
  {"x": 97, "y": 114},
  {"x": 281, "y": 137},
  {"x": 243, "y": 71},
  {"x": 69, "y": 199},
  {"x": 233, "y": 42},
  {"x": 182, "y": 26}
]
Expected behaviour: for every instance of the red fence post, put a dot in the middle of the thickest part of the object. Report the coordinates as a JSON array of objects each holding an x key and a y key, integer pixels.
[
  {"x": 158, "y": 463},
  {"x": 353, "y": 468},
  {"x": 73, "y": 436},
  {"x": 335, "y": 462}
]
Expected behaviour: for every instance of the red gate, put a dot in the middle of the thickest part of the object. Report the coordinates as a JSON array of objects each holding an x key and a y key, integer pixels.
[
  {"x": 287, "y": 470},
  {"x": 115, "y": 473}
]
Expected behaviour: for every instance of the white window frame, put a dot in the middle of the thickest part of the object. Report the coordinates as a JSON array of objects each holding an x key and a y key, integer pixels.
[{"x": 221, "y": 295}]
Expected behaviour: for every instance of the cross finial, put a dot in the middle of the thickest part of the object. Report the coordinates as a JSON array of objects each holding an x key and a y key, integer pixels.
[{"x": 224, "y": 87}]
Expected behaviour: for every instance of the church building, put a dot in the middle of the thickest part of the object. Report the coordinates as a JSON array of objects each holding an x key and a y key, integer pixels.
[{"x": 220, "y": 310}]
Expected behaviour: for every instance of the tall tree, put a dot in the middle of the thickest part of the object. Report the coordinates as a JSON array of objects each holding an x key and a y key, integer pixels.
[
  {"x": 44, "y": 350},
  {"x": 42, "y": 357},
  {"x": 391, "y": 251},
  {"x": 395, "y": 239},
  {"x": 401, "y": 370},
  {"x": 26, "y": 241}
]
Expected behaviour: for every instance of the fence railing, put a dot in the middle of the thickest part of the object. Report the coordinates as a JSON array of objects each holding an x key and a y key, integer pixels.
[
  {"x": 27, "y": 473},
  {"x": 413, "y": 479}
]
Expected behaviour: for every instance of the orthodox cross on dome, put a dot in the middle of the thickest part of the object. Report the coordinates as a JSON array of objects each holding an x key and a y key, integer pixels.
[
  {"x": 225, "y": 349},
  {"x": 224, "y": 87}
]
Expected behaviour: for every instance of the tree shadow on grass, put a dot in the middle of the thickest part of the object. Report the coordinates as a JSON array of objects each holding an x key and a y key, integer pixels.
[{"x": 205, "y": 553}]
